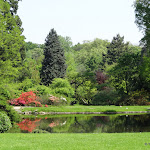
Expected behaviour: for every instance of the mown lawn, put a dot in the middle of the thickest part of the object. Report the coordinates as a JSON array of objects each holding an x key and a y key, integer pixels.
[
  {"x": 103, "y": 141},
  {"x": 79, "y": 108}
]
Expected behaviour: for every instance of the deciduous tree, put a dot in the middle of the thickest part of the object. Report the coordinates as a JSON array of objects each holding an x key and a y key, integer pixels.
[
  {"x": 142, "y": 14},
  {"x": 11, "y": 44}
]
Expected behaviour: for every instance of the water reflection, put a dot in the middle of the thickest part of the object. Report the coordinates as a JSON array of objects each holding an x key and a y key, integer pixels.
[{"x": 86, "y": 124}]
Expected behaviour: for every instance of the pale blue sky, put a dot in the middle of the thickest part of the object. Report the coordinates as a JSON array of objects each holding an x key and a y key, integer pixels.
[{"x": 79, "y": 19}]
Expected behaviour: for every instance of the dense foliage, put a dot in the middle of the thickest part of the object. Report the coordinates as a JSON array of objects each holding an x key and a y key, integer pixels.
[
  {"x": 95, "y": 72},
  {"x": 142, "y": 13},
  {"x": 5, "y": 122},
  {"x": 26, "y": 99},
  {"x": 11, "y": 45},
  {"x": 116, "y": 48}
]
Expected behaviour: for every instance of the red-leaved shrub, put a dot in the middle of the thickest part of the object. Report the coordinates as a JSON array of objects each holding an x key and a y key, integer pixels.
[{"x": 26, "y": 99}]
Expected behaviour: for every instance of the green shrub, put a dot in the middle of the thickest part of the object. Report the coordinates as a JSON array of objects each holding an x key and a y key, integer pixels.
[
  {"x": 44, "y": 99},
  {"x": 9, "y": 91},
  {"x": 13, "y": 115},
  {"x": 105, "y": 97},
  {"x": 25, "y": 85},
  {"x": 4, "y": 93},
  {"x": 101, "y": 87},
  {"x": 85, "y": 93},
  {"x": 62, "y": 87},
  {"x": 5, "y": 123},
  {"x": 41, "y": 90},
  {"x": 138, "y": 97}
]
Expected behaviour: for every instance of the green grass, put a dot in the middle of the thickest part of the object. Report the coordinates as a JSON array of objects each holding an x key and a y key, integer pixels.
[
  {"x": 104, "y": 141},
  {"x": 79, "y": 108}
]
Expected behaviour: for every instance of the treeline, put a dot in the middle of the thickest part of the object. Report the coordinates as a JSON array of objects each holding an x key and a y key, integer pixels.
[{"x": 96, "y": 72}]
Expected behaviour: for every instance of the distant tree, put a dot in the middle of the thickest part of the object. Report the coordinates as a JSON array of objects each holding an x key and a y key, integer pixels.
[
  {"x": 125, "y": 75},
  {"x": 30, "y": 46},
  {"x": 53, "y": 65},
  {"x": 116, "y": 48},
  {"x": 89, "y": 54},
  {"x": 66, "y": 43},
  {"x": 78, "y": 47},
  {"x": 33, "y": 63}
]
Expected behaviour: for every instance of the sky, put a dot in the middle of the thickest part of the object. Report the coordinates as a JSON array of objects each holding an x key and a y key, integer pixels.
[{"x": 79, "y": 19}]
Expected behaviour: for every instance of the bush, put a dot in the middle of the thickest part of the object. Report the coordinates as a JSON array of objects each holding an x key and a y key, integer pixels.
[
  {"x": 138, "y": 97},
  {"x": 41, "y": 90},
  {"x": 26, "y": 98},
  {"x": 25, "y": 85},
  {"x": 44, "y": 99},
  {"x": 53, "y": 100},
  {"x": 9, "y": 91},
  {"x": 4, "y": 93},
  {"x": 85, "y": 93},
  {"x": 62, "y": 87},
  {"x": 58, "y": 101},
  {"x": 13, "y": 115},
  {"x": 105, "y": 97},
  {"x": 5, "y": 123}
]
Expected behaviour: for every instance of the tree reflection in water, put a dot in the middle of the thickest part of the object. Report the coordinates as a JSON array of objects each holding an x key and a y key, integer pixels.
[{"x": 88, "y": 124}]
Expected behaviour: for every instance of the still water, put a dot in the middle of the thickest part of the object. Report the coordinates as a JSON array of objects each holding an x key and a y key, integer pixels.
[{"x": 84, "y": 124}]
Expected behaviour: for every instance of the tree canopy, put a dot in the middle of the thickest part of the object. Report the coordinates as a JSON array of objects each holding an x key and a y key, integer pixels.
[
  {"x": 11, "y": 43},
  {"x": 142, "y": 14}
]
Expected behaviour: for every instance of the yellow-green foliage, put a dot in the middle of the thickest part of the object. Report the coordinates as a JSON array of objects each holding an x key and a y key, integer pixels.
[
  {"x": 5, "y": 122},
  {"x": 86, "y": 92},
  {"x": 62, "y": 86}
]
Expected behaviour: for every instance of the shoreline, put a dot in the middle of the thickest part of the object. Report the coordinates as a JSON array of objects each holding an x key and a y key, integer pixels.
[
  {"x": 63, "y": 113},
  {"x": 53, "y": 112}
]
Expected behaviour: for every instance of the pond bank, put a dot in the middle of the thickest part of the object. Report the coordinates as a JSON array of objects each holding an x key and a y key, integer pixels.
[
  {"x": 82, "y": 110},
  {"x": 63, "y": 113}
]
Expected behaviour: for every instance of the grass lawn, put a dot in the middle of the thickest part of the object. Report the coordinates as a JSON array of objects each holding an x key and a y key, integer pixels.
[
  {"x": 79, "y": 108},
  {"x": 103, "y": 141}
]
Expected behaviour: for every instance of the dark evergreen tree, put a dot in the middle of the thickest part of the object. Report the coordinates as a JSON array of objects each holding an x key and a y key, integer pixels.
[
  {"x": 53, "y": 65},
  {"x": 116, "y": 48}
]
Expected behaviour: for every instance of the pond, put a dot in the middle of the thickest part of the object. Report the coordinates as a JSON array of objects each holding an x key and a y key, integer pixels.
[{"x": 84, "y": 124}]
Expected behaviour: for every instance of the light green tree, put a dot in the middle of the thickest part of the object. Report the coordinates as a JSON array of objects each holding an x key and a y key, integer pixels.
[
  {"x": 142, "y": 14},
  {"x": 11, "y": 44}
]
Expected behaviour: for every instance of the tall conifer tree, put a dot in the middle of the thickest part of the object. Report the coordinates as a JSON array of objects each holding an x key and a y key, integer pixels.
[{"x": 53, "y": 65}]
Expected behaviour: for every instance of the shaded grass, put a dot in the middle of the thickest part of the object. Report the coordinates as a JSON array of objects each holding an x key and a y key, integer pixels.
[
  {"x": 87, "y": 108},
  {"x": 104, "y": 141}
]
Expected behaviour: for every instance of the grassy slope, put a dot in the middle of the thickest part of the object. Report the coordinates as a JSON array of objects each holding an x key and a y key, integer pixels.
[
  {"x": 105, "y": 141},
  {"x": 87, "y": 108}
]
